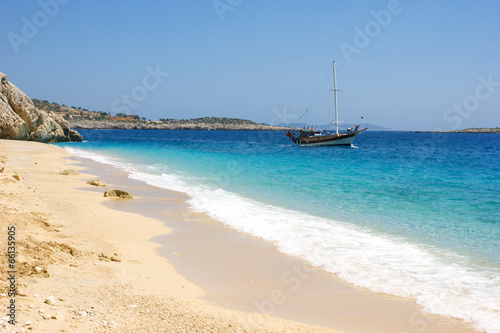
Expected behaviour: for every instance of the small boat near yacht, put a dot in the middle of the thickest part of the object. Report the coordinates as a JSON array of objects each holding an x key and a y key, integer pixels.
[{"x": 317, "y": 137}]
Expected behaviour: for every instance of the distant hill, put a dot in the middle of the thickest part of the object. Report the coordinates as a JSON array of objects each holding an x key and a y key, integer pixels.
[
  {"x": 81, "y": 118},
  {"x": 74, "y": 113},
  {"x": 495, "y": 130},
  {"x": 207, "y": 123}
]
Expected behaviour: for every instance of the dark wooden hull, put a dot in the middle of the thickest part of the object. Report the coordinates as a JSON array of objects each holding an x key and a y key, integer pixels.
[{"x": 327, "y": 140}]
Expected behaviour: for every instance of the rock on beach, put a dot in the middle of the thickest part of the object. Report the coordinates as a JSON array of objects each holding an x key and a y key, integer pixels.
[
  {"x": 96, "y": 182},
  {"x": 118, "y": 193},
  {"x": 69, "y": 172}
]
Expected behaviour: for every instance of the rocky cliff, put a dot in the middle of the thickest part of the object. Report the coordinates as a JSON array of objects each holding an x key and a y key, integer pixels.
[{"x": 21, "y": 120}]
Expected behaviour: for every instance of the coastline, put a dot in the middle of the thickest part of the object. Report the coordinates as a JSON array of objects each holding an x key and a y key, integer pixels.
[
  {"x": 492, "y": 130},
  {"x": 63, "y": 228},
  {"x": 235, "y": 267},
  {"x": 187, "y": 124}
]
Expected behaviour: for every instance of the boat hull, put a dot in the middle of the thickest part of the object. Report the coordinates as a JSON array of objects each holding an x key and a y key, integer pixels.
[{"x": 328, "y": 140}]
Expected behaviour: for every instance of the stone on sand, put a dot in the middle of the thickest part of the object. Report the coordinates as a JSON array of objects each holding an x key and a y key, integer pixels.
[
  {"x": 118, "y": 193},
  {"x": 96, "y": 182},
  {"x": 116, "y": 258},
  {"x": 21, "y": 292},
  {"x": 69, "y": 172},
  {"x": 58, "y": 316},
  {"x": 51, "y": 300}
]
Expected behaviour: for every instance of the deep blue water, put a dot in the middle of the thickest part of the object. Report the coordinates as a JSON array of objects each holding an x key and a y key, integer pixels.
[{"x": 395, "y": 213}]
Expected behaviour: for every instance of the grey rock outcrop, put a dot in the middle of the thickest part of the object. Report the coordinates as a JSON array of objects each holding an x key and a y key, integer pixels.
[{"x": 21, "y": 120}]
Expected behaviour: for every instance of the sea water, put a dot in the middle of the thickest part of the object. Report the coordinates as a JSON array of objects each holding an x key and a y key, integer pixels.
[{"x": 410, "y": 214}]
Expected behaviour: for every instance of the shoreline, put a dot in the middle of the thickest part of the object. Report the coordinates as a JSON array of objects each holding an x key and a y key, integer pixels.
[
  {"x": 238, "y": 270},
  {"x": 301, "y": 292},
  {"x": 99, "y": 264}
]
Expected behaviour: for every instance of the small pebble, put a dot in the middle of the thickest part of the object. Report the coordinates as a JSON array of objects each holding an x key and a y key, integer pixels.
[
  {"x": 21, "y": 292},
  {"x": 51, "y": 300},
  {"x": 115, "y": 258},
  {"x": 58, "y": 316}
]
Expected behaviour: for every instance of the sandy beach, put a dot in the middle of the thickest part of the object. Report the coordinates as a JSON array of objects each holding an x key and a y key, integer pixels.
[{"x": 88, "y": 263}]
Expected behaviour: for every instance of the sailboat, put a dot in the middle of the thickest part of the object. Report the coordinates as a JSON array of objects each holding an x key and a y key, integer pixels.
[{"x": 317, "y": 137}]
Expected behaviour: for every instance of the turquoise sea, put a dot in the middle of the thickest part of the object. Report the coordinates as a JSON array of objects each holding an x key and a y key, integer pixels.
[{"x": 411, "y": 214}]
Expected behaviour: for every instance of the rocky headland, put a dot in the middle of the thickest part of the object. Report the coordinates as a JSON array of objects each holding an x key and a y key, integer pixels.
[
  {"x": 20, "y": 119},
  {"x": 81, "y": 118},
  {"x": 495, "y": 130},
  {"x": 209, "y": 123}
]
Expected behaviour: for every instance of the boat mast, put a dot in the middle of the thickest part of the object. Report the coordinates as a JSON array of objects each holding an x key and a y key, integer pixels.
[{"x": 335, "y": 94}]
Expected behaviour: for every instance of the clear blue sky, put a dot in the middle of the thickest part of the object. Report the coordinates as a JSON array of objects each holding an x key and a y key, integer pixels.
[{"x": 420, "y": 68}]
